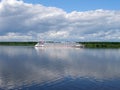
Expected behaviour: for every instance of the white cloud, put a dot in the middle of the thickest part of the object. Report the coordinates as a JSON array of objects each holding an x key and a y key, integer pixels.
[
  {"x": 16, "y": 37},
  {"x": 35, "y": 21}
]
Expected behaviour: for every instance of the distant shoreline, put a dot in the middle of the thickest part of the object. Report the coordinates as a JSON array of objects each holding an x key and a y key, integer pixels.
[
  {"x": 17, "y": 43},
  {"x": 101, "y": 44},
  {"x": 86, "y": 44}
]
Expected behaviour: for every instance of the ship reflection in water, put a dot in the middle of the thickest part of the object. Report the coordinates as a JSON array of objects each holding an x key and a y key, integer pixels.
[{"x": 59, "y": 68}]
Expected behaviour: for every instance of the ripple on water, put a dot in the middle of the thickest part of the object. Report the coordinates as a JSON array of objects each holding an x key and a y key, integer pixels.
[{"x": 59, "y": 69}]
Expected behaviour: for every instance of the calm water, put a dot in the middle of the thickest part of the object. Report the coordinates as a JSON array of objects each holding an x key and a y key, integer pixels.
[{"x": 30, "y": 68}]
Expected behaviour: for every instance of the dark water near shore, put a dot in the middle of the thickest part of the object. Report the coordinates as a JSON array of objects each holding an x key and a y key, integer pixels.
[{"x": 29, "y": 68}]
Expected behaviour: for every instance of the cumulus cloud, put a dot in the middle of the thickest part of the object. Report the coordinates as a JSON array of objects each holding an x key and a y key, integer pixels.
[{"x": 23, "y": 21}]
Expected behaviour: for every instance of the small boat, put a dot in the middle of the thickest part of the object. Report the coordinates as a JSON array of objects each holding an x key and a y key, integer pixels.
[
  {"x": 78, "y": 46},
  {"x": 40, "y": 44}
]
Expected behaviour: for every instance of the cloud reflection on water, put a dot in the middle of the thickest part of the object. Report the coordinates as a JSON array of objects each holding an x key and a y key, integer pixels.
[{"x": 26, "y": 65}]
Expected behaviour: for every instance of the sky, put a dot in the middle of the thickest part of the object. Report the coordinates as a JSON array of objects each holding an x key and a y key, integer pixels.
[
  {"x": 79, "y": 5},
  {"x": 60, "y": 20}
]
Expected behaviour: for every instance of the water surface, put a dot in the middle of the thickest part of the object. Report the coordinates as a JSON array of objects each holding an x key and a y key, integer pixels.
[{"x": 29, "y": 68}]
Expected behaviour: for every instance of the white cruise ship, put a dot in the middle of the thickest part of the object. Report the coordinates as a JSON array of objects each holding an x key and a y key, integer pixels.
[{"x": 60, "y": 44}]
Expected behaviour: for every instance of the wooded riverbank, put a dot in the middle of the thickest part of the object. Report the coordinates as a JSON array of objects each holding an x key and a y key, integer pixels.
[
  {"x": 101, "y": 44},
  {"x": 17, "y": 43},
  {"x": 86, "y": 44}
]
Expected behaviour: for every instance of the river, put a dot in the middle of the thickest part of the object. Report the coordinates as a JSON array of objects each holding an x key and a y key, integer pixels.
[{"x": 59, "y": 68}]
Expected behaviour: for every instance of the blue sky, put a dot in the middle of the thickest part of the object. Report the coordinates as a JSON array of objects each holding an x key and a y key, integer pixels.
[
  {"x": 79, "y": 5},
  {"x": 64, "y": 20}
]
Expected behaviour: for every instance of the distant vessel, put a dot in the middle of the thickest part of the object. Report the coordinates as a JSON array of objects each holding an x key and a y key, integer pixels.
[
  {"x": 40, "y": 44},
  {"x": 60, "y": 44}
]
